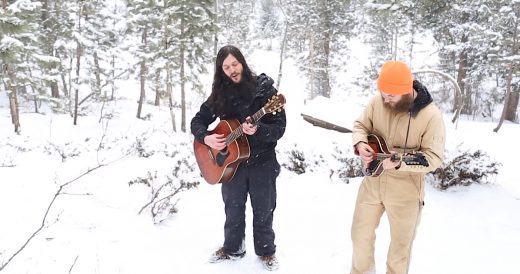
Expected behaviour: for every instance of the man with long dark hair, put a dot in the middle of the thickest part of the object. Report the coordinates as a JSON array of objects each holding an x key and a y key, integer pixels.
[
  {"x": 237, "y": 93},
  {"x": 403, "y": 114}
]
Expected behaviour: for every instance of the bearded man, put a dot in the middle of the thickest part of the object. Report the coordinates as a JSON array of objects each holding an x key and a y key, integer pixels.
[
  {"x": 405, "y": 117},
  {"x": 237, "y": 93}
]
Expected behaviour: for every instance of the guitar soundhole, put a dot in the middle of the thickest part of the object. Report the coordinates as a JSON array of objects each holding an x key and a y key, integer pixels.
[{"x": 222, "y": 156}]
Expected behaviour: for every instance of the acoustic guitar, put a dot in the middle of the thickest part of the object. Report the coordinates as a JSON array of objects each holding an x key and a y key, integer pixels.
[
  {"x": 381, "y": 152},
  {"x": 219, "y": 166}
]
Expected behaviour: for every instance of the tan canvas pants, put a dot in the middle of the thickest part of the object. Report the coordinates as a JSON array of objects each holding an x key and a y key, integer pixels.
[{"x": 402, "y": 199}]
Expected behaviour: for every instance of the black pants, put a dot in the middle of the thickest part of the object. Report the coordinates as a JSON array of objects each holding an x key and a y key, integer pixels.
[{"x": 259, "y": 180}]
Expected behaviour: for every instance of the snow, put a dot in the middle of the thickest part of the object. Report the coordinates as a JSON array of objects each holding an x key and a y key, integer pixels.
[{"x": 95, "y": 227}]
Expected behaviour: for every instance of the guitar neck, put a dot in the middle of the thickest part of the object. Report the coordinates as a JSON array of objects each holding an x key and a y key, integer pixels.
[
  {"x": 405, "y": 158},
  {"x": 237, "y": 132}
]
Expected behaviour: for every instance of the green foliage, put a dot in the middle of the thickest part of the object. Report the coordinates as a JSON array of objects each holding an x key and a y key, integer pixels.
[
  {"x": 173, "y": 33},
  {"x": 296, "y": 162}
]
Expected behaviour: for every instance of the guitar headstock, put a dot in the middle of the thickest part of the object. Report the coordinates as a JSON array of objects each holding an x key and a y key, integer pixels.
[
  {"x": 416, "y": 159},
  {"x": 275, "y": 104}
]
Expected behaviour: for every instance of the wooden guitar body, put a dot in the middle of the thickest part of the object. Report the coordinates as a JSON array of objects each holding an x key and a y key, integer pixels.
[{"x": 220, "y": 166}]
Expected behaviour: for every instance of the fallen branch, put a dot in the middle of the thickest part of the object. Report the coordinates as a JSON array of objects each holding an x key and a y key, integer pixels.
[{"x": 324, "y": 124}]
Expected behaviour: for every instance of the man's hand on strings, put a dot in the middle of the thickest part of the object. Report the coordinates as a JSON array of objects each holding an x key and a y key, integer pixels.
[
  {"x": 215, "y": 141},
  {"x": 366, "y": 153}
]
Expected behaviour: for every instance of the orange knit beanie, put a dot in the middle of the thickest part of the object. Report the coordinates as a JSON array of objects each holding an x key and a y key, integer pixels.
[{"x": 395, "y": 78}]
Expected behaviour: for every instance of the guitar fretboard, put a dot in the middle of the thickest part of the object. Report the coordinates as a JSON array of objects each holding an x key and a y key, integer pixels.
[
  {"x": 405, "y": 158},
  {"x": 237, "y": 132}
]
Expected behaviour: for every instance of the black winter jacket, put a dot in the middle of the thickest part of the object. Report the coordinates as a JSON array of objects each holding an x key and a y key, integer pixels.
[{"x": 271, "y": 127}]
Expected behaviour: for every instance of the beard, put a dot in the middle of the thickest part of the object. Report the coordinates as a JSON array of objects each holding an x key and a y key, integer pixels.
[
  {"x": 242, "y": 91},
  {"x": 403, "y": 105},
  {"x": 235, "y": 98}
]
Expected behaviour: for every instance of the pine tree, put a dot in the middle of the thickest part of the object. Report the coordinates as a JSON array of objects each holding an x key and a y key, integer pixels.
[
  {"x": 389, "y": 28},
  {"x": 506, "y": 57},
  {"x": 104, "y": 36},
  {"x": 459, "y": 27},
  {"x": 317, "y": 29},
  {"x": 234, "y": 23},
  {"x": 56, "y": 30},
  {"x": 189, "y": 48},
  {"x": 268, "y": 25},
  {"x": 16, "y": 41},
  {"x": 144, "y": 21},
  {"x": 175, "y": 47}
]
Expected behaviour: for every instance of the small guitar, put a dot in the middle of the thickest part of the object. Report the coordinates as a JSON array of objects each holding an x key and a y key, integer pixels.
[
  {"x": 219, "y": 166},
  {"x": 381, "y": 152}
]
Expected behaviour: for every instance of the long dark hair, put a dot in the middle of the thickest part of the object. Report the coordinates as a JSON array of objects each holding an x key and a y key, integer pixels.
[{"x": 221, "y": 81}]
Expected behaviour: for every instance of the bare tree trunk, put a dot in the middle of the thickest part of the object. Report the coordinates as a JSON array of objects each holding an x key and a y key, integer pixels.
[
  {"x": 157, "y": 88},
  {"x": 97, "y": 74},
  {"x": 506, "y": 102},
  {"x": 322, "y": 36},
  {"x": 462, "y": 72},
  {"x": 412, "y": 39},
  {"x": 4, "y": 4},
  {"x": 311, "y": 68},
  {"x": 215, "y": 39},
  {"x": 511, "y": 114},
  {"x": 326, "y": 63},
  {"x": 282, "y": 47},
  {"x": 512, "y": 68},
  {"x": 78, "y": 66},
  {"x": 394, "y": 43},
  {"x": 71, "y": 94},
  {"x": 48, "y": 48},
  {"x": 183, "y": 80},
  {"x": 142, "y": 76},
  {"x": 169, "y": 89},
  {"x": 13, "y": 98},
  {"x": 64, "y": 81},
  {"x": 113, "y": 61},
  {"x": 113, "y": 82}
]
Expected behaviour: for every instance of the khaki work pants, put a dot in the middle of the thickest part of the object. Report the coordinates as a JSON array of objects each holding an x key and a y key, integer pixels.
[{"x": 401, "y": 196}]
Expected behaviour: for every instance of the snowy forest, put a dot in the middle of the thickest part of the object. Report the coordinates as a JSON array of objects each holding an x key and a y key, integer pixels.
[
  {"x": 96, "y": 160},
  {"x": 66, "y": 54}
]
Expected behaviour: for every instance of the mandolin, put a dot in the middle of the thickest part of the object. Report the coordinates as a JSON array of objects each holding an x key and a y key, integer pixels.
[{"x": 381, "y": 152}]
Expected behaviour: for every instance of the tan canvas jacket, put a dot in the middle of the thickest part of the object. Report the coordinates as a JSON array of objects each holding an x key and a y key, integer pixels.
[{"x": 426, "y": 134}]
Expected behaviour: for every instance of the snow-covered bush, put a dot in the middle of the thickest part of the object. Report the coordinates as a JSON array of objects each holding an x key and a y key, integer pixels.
[
  {"x": 164, "y": 190},
  {"x": 349, "y": 165},
  {"x": 465, "y": 169},
  {"x": 295, "y": 161}
]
